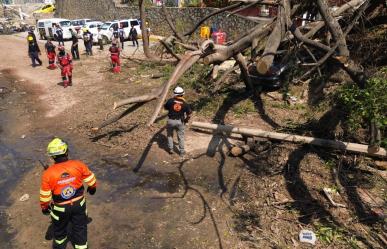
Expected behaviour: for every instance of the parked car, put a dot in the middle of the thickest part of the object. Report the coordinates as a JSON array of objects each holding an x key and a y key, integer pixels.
[
  {"x": 49, "y": 8},
  {"x": 78, "y": 23},
  {"x": 45, "y": 29},
  {"x": 93, "y": 28},
  {"x": 108, "y": 28}
]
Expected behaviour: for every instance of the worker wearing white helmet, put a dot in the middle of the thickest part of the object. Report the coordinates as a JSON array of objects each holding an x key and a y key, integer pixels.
[{"x": 179, "y": 114}]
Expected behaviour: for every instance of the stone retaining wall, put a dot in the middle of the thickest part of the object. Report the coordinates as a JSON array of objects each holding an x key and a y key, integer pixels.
[{"x": 184, "y": 18}]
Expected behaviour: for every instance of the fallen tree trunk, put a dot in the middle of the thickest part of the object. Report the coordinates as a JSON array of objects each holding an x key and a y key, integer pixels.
[
  {"x": 117, "y": 117},
  {"x": 138, "y": 99},
  {"x": 339, "y": 145}
]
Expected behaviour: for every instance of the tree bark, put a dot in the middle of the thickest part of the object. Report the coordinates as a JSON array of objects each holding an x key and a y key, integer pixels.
[
  {"x": 138, "y": 99},
  {"x": 144, "y": 30},
  {"x": 264, "y": 63},
  {"x": 334, "y": 27},
  {"x": 240, "y": 59}
]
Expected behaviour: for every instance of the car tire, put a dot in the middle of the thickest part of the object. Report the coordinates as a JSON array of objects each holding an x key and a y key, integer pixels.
[{"x": 105, "y": 40}]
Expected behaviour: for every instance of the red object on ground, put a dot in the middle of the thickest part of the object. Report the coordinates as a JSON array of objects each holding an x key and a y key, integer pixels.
[{"x": 219, "y": 37}]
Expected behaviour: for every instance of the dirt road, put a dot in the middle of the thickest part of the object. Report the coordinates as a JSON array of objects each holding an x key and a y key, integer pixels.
[{"x": 165, "y": 203}]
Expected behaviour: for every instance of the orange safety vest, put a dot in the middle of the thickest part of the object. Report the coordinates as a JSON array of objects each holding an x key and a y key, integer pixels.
[{"x": 64, "y": 181}]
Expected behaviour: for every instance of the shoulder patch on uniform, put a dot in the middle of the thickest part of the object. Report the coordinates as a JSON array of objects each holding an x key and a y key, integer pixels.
[{"x": 67, "y": 192}]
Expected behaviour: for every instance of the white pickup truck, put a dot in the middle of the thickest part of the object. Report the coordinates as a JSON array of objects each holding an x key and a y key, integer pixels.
[{"x": 109, "y": 27}]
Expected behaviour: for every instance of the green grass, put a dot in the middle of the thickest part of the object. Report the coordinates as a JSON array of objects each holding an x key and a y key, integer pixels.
[{"x": 243, "y": 107}]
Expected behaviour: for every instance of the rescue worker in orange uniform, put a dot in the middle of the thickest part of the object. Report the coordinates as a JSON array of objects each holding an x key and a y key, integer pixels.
[
  {"x": 62, "y": 195},
  {"x": 65, "y": 63},
  {"x": 51, "y": 54},
  {"x": 115, "y": 57}
]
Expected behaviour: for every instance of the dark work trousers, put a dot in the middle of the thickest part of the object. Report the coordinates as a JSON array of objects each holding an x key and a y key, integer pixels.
[
  {"x": 60, "y": 40},
  {"x": 35, "y": 58},
  {"x": 75, "y": 52},
  {"x": 75, "y": 213},
  {"x": 89, "y": 48},
  {"x": 122, "y": 40},
  {"x": 135, "y": 41},
  {"x": 100, "y": 43}
]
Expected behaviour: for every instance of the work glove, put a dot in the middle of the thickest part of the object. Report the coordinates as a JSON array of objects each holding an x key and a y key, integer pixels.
[
  {"x": 47, "y": 210},
  {"x": 91, "y": 190}
]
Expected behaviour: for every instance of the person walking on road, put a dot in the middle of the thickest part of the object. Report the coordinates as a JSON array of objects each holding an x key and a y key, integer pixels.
[
  {"x": 62, "y": 196},
  {"x": 133, "y": 36},
  {"x": 88, "y": 41},
  {"x": 33, "y": 51},
  {"x": 115, "y": 57},
  {"x": 99, "y": 38},
  {"x": 74, "y": 45},
  {"x": 122, "y": 35},
  {"x": 58, "y": 31},
  {"x": 51, "y": 54},
  {"x": 65, "y": 63},
  {"x": 179, "y": 113}
]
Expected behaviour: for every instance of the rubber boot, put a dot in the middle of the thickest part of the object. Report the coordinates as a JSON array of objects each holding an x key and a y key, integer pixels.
[{"x": 65, "y": 81}]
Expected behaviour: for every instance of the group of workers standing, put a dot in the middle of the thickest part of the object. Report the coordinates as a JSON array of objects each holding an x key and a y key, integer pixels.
[
  {"x": 62, "y": 194},
  {"x": 64, "y": 60}
]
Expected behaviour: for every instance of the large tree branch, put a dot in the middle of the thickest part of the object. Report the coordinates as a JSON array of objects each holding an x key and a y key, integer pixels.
[
  {"x": 222, "y": 53},
  {"x": 343, "y": 8},
  {"x": 240, "y": 59},
  {"x": 186, "y": 62},
  {"x": 334, "y": 27}
]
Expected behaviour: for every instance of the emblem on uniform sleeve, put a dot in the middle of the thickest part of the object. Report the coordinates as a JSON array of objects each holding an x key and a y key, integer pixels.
[
  {"x": 67, "y": 192},
  {"x": 177, "y": 107}
]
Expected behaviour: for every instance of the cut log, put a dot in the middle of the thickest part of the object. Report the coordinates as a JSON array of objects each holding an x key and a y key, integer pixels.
[
  {"x": 339, "y": 145},
  {"x": 239, "y": 150},
  {"x": 264, "y": 63}
]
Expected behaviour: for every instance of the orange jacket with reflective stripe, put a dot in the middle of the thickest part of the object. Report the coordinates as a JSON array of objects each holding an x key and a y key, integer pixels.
[{"x": 64, "y": 181}]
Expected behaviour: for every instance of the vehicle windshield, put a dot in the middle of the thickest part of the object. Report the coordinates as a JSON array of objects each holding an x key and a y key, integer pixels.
[
  {"x": 78, "y": 22},
  {"x": 40, "y": 24},
  {"x": 105, "y": 26},
  {"x": 65, "y": 23}
]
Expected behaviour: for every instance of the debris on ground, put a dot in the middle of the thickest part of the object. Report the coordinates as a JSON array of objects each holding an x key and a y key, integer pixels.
[
  {"x": 24, "y": 197},
  {"x": 307, "y": 236},
  {"x": 328, "y": 193}
]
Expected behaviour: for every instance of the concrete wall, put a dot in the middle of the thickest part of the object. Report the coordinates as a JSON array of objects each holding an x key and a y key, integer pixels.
[{"x": 184, "y": 18}]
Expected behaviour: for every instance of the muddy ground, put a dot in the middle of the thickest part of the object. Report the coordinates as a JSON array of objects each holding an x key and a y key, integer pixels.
[{"x": 149, "y": 199}]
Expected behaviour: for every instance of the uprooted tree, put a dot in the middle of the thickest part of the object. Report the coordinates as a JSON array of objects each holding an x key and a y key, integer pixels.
[{"x": 322, "y": 37}]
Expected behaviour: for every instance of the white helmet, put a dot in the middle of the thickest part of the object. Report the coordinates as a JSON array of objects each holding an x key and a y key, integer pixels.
[{"x": 178, "y": 91}]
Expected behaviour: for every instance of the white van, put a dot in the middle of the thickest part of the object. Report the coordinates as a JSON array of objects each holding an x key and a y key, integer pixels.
[
  {"x": 108, "y": 28},
  {"x": 45, "y": 29}
]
